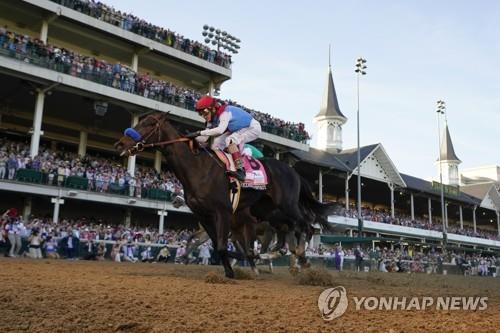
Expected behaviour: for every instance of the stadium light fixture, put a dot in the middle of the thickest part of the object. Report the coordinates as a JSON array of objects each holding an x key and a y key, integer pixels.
[
  {"x": 221, "y": 39},
  {"x": 360, "y": 70},
  {"x": 441, "y": 110}
]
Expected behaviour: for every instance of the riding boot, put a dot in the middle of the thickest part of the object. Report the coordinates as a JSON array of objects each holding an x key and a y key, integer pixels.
[{"x": 240, "y": 173}]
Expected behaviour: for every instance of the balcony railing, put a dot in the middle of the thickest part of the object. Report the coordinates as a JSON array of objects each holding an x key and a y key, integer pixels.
[
  {"x": 140, "y": 27},
  {"x": 91, "y": 69},
  {"x": 94, "y": 185}
]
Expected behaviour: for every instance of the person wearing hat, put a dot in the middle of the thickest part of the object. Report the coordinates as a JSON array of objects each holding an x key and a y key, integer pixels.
[
  {"x": 14, "y": 230},
  {"x": 232, "y": 127}
]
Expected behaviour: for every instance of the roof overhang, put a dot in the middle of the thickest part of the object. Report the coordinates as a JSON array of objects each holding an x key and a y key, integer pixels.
[
  {"x": 381, "y": 160},
  {"x": 492, "y": 199}
]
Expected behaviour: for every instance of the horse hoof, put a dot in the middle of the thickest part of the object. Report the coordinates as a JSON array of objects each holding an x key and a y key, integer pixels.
[
  {"x": 293, "y": 271},
  {"x": 255, "y": 270},
  {"x": 230, "y": 275}
]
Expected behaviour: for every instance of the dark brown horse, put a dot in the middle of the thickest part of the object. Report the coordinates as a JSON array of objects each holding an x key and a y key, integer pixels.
[{"x": 206, "y": 185}]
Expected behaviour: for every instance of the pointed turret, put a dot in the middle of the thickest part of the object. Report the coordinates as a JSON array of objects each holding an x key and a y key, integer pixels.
[
  {"x": 329, "y": 118},
  {"x": 447, "y": 151},
  {"x": 449, "y": 160}
]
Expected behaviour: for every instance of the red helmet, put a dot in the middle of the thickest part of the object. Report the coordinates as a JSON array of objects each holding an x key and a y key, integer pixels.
[{"x": 205, "y": 102}]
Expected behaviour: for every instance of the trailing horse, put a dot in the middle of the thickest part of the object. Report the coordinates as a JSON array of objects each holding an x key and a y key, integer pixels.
[{"x": 206, "y": 185}]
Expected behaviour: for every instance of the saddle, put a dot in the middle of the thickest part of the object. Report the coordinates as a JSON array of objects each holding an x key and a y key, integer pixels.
[{"x": 256, "y": 177}]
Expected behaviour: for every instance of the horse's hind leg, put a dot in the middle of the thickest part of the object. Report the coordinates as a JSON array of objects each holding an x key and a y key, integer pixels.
[{"x": 243, "y": 229}]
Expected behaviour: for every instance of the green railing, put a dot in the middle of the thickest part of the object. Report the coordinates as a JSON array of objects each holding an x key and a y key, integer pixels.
[{"x": 82, "y": 183}]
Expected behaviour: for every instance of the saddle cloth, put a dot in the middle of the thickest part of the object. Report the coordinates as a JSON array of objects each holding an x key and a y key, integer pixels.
[{"x": 256, "y": 177}]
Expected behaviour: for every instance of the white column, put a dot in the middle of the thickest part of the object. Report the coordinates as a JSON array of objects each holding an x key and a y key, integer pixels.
[
  {"x": 320, "y": 186},
  {"x": 131, "y": 159},
  {"x": 135, "y": 62},
  {"x": 158, "y": 161},
  {"x": 37, "y": 124},
  {"x": 57, "y": 202},
  {"x": 27, "y": 208},
  {"x": 474, "y": 217},
  {"x": 498, "y": 222},
  {"x": 211, "y": 88},
  {"x": 347, "y": 193},
  {"x": 461, "y": 217},
  {"x": 277, "y": 156},
  {"x": 162, "y": 214},
  {"x": 429, "y": 203},
  {"x": 391, "y": 187},
  {"x": 82, "y": 145},
  {"x": 128, "y": 217},
  {"x": 44, "y": 32},
  {"x": 446, "y": 214},
  {"x": 412, "y": 207},
  {"x": 350, "y": 232}
]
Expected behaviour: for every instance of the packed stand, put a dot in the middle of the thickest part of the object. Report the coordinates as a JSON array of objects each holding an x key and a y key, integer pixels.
[
  {"x": 376, "y": 215},
  {"x": 406, "y": 259},
  {"x": 277, "y": 126},
  {"x": 103, "y": 174},
  {"x": 92, "y": 239},
  {"x": 141, "y": 27},
  {"x": 120, "y": 76}
]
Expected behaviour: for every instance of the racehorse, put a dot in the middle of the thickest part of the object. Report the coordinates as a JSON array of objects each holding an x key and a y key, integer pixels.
[{"x": 206, "y": 184}]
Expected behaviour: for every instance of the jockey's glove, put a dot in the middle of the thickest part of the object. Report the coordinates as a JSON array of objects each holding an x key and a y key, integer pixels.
[{"x": 192, "y": 135}]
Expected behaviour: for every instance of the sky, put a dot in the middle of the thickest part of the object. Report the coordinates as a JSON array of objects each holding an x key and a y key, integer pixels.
[{"x": 417, "y": 52}]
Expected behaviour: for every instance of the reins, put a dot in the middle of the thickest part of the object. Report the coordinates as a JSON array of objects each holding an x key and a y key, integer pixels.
[{"x": 141, "y": 145}]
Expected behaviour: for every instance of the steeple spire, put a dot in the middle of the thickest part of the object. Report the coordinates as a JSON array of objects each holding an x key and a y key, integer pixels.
[
  {"x": 329, "y": 119},
  {"x": 449, "y": 161},
  {"x": 330, "y": 105},
  {"x": 447, "y": 151}
]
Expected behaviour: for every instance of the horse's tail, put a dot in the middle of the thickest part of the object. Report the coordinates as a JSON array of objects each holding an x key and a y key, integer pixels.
[{"x": 319, "y": 209}]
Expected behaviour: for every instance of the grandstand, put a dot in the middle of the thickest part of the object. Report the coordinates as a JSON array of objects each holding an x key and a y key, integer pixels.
[{"x": 74, "y": 77}]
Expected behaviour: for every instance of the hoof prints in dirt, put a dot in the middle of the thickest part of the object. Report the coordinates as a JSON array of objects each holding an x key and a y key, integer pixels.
[
  {"x": 132, "y": 328},
  {"x": 241, "y": 274},
  {"x": 213, "y": 277},
  {"x": 315, "y": 277}
]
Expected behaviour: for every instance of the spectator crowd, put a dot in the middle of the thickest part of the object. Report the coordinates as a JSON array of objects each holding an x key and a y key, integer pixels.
[
  {"x": 94, "y": 239},
  {"x": 129, "y": 22},
  {"x": 407, "y": 259},
  {"x": 377, "y": 215},
  {"x": 102, "y": 174},
  {"x": 120, "y": 76}
]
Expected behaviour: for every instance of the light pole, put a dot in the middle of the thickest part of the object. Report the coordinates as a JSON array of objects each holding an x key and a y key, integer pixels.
[
  {"x": 441, "y": 110},
  {"x": 360, "y": 70},
  {"x": 220, "y": 38}
]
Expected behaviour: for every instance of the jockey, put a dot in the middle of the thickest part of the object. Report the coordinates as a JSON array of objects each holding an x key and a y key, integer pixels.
[{"x": 232, "y": 126}]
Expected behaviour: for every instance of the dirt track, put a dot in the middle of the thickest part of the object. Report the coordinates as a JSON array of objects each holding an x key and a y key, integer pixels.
[{"x": 61, "y": 296}]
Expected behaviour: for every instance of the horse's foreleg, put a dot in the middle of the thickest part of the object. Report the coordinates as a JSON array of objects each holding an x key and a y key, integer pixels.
[
  {"x": 294, "y": 268},
  {"x": 300, "y": 252},
  {"x": 202, "y": 238},
  {"x": 222, "y": 222}
]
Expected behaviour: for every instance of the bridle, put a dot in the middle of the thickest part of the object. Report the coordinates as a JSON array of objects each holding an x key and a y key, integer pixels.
[{"x": 141, "y": 144}]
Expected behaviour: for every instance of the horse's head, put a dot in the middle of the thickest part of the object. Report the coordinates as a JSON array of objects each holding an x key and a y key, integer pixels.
[{"x": 148, "y": 130}]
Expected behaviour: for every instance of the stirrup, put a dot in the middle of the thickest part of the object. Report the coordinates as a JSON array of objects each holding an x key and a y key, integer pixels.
[{"x": 239, "y": 174}]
